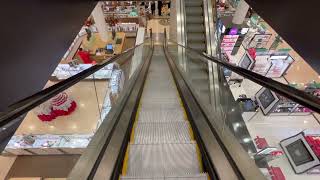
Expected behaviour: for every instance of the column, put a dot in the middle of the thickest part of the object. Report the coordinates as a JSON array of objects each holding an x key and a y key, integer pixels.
[
  {"x": 100, "y": 23},
  {"x": 241, "y": 12},
  {"x": 156, "y": 12}
]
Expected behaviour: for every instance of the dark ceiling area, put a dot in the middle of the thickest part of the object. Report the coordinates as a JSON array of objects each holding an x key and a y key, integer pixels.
[
  {"x": 35, "y": 34},
  {"x": 296, "y": 22}
]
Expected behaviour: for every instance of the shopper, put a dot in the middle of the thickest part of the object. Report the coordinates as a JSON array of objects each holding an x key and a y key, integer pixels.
[
  {"x": 160, "y": 8},
  {"x": 84, "y": 56},
  {"x": 153, "y": 8}
]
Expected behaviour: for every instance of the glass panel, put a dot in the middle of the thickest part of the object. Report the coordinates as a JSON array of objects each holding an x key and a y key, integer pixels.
[
  {"x": 64, "y": 125},
  {"x": 281, "y": 136}
]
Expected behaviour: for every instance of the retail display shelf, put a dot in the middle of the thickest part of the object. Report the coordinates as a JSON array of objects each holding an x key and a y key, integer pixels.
[{"x": 48, "y": 144}]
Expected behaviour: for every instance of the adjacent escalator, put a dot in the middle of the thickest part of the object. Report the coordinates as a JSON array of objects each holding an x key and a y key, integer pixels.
[{"x": 195, "y": 25}]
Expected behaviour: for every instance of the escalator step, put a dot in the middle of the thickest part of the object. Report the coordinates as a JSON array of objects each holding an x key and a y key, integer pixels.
[
  {"x": 160, "y": 103},
  {"x": 194, "y": 11},
  {"x": 202, "y": 176},
  {"x": 161, "y": 115},
  {"x": 197, "y": 46},
  {"x": 190, "y": 3},
  {"x": 160, "y": 133},
  {"x": 196, "y": 37},
  {"x": 195, "y": 29},
  {"x": 194, "y": 20},
  {"x": 162, "y": 160}
]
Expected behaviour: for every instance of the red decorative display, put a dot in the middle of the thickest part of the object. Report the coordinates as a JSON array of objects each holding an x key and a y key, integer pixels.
[
  {"x": 276, "y": 173},
  {"x": 60, "y": 105},
  {"x": 314, "y": 142},
  {"x": 261, "y": 142}
]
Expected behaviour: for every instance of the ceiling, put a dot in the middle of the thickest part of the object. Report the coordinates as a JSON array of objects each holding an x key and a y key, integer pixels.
[{"x": 296, "y": 22}]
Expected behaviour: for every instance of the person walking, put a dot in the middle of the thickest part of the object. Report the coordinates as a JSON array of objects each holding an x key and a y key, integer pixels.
[{"x": 153, "y": 8}]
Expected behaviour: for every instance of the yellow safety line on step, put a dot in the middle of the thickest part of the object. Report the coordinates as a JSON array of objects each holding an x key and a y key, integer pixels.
[
  {"x": 126, "y": 157},
  {"x": 135, "y": 124},
  {"x": 125, "y": 162},
  {"x": 190, "y": 131}
]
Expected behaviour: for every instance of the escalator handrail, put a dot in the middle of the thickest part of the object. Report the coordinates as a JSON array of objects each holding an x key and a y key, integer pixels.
[
  {"x": 38, "y": 98},
  {"x": 292, "y": 93}
]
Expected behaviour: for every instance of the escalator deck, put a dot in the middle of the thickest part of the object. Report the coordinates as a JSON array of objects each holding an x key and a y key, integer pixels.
[{"x": 161, "y": 145}]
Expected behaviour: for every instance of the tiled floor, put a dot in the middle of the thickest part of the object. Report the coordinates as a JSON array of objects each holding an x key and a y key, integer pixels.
[{"x": 82, "y": 121}]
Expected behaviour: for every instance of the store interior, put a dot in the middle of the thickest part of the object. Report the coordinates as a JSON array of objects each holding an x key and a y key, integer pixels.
[
  {"x": 270, "y": 119},
  {"x": 56, "y": 133}
]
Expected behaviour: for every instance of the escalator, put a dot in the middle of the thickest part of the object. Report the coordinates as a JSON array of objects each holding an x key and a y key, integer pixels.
[
  {"x": 196, "y": 39},
  {"x": 160, "y": 126},
  {"x": 195, "y": 27},
  {"x": 162, "y": 143}
]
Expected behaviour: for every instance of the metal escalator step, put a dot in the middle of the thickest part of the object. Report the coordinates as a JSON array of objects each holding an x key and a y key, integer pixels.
[
  {"x": 196, "y": 37},
  {"x": 202, "y": 176},
  {"x": 194, "y": 11},
  {"x": 194, "y": 20},
  {"x": 160, "y": 133},
  {"x": 162, "y": 160},
  {"x": 192, "y": 3},
  {"x": 196, "y": 29},
  {"x": 161, "y": 115},
  {"x": 198, "y": 46},
  {"x": 160, "y": 103}
]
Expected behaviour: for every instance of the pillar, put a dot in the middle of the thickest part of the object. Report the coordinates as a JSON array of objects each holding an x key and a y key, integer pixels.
[
  {"x": 156, "y": 12},
  {"x": 100, "y": 22},
  {"x": 241, "y": 12}
]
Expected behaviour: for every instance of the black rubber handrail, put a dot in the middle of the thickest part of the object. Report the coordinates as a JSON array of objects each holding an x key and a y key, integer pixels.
[
  {"x": 292, "y": 93},
  {"x": 35, "y": 100}
]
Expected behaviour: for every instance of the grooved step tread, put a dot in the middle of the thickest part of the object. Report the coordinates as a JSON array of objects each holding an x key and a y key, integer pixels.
[
  {"x": 161, "y": 160},
  {"x": 202, "y": 176},
  {"x": 160, "y": 133},
  {"x": 161, "y": 115}
]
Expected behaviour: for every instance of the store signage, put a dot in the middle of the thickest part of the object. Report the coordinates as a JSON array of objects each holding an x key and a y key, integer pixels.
[{"x": 228, "y": 43}]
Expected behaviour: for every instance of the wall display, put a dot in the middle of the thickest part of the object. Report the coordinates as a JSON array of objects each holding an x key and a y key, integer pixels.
[
  {"x": 280, "y": 65},
  {"x": 274, "y": 105},
  {"x": 64, "y": 71},
  {"x": 228, "y": 43},
  {"x": 48, "y": 144},
  {"x": 266, "y": 100},
  {"x": 262, "y": 65},
  {"x": 246, "y": 62},
  {"x": 237, "y": 44},
  {"x": 299, "y": 153},
  {"x": 259, "y": 40}
]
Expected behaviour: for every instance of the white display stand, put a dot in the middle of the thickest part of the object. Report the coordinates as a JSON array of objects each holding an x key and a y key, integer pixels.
[
  {"x": 49, "y": 144},
  {"x": 64, "y": 71}
]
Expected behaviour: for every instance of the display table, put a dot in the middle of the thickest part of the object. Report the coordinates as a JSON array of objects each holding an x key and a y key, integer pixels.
[
  {"x": 64, "y": 71},
  {"x": 49, "y": 144},
  {"x": 45, "y": 144},
  {"x": 97, "y": 43}
]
